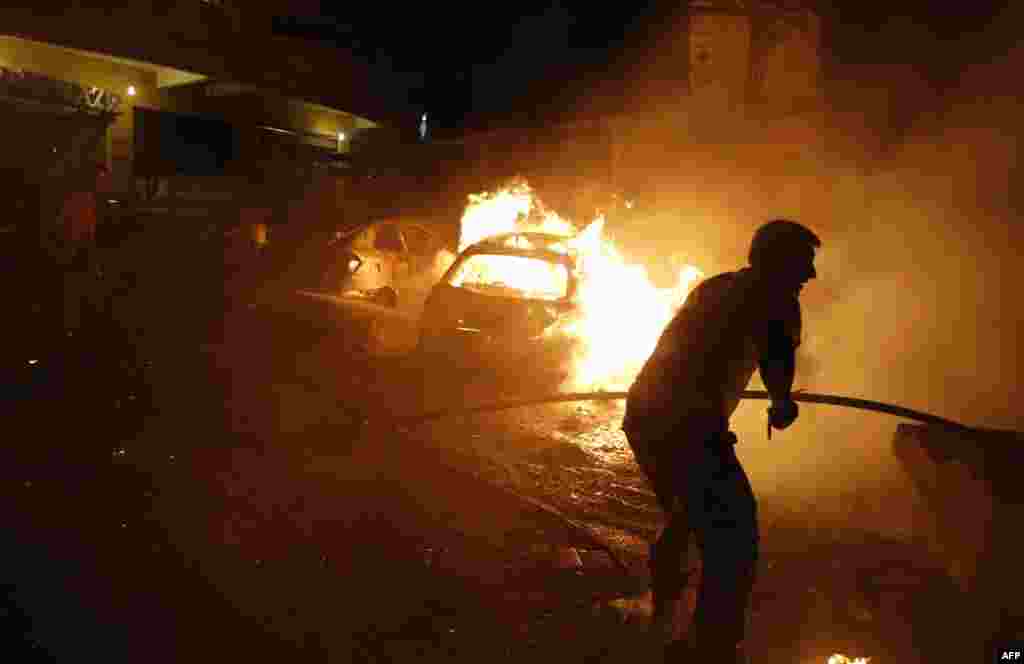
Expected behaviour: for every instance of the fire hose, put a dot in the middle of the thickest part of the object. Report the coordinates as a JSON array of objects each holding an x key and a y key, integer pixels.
[
  {"x": 799, "y": 396},
  {"x": 802, "y": 397}
]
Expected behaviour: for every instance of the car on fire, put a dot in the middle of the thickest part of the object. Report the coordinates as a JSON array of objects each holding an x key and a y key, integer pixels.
[
  {"x": 506, "y": 293},
  {"x": 390, "y": 262}
]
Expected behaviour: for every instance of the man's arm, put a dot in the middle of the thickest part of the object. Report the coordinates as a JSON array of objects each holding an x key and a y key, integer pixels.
[
  {"x": 777, "y": 362},
  {"x": 777, "y": 336}
]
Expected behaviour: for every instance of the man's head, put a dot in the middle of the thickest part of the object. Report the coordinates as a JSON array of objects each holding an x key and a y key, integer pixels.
[{"x": 782, "y": 251}]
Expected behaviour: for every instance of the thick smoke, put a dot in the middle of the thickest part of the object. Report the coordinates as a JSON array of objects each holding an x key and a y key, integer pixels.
[{"x": 913, "y": 304}]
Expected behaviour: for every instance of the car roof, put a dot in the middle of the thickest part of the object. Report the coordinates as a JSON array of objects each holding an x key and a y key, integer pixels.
[
  {"x": 544, "y": 246},
  {"x": 418, "y": 222},
  {"x": 546, "y": 240}
]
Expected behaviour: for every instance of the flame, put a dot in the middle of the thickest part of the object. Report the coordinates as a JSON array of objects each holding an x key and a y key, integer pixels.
[
  {"x": 506, "y": 211},
  {"x": 527, "y": 277},
  {"x": 843, "y": 659},
  {"x": 621, "y": 313}
]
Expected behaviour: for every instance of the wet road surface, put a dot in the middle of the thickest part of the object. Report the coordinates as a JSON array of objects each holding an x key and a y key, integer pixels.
[{"x": 223, "y": 499}]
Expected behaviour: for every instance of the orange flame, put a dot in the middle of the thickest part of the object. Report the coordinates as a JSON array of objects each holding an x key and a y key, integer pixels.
[
  {"x": 621, "y": 312},
  {"x": 506, "y": 211}
]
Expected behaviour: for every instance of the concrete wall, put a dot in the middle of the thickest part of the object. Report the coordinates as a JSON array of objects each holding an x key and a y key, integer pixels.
[
  {"x": 719, "y": 59},
  {"x": 786, "y": 63}
]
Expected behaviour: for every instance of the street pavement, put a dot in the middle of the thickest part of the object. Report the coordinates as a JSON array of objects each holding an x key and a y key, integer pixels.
[{"x": 242, "y": 495}]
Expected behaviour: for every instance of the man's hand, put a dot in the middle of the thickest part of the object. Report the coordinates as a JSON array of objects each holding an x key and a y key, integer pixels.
[{"x": 782, "y": 414}]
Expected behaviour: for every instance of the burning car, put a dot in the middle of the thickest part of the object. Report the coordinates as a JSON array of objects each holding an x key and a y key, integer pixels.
[
  {"x": 509, "y": 292},
  {"x": 390, "y": 262}
]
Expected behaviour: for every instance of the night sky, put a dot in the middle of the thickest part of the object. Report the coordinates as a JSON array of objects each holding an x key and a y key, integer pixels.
[{"x": 478, "y": 70}]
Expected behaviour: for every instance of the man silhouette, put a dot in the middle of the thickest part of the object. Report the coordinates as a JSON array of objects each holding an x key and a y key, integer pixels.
[{"x": 677, "y": 423}]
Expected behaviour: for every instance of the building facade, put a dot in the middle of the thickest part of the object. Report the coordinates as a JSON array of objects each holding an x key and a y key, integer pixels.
[{"x": 199, "y": 105}]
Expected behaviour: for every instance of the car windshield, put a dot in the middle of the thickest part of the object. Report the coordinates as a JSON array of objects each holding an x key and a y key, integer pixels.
[{"x": 512, "y": 276}]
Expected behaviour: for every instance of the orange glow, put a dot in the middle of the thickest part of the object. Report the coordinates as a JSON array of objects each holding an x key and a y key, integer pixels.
[
  {"x": 843, "y": 659},
  {"x": 621, "y": 313},
  {"x": 505, "y": 211},
  {"x": 516, "y": 275}
]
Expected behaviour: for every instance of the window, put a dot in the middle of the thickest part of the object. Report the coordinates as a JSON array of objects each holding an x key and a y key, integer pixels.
[
  {"x": 512, "y": 276},
  {"x": 388, "y": 238}
]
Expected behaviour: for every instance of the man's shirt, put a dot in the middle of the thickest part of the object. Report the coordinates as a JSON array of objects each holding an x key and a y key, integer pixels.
[{"x": 708, "y": 353}]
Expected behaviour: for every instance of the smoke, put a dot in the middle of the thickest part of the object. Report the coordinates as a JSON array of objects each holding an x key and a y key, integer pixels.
[
  {"x": 913, "y": 306},
  {"x": 914, "y": 303},
  {"x": 922, "y": 238}
]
